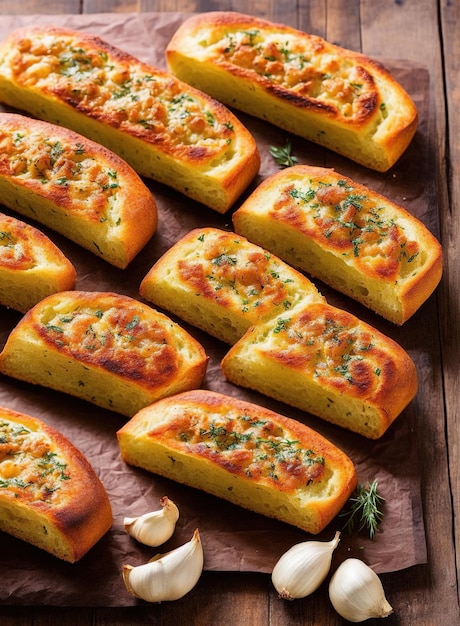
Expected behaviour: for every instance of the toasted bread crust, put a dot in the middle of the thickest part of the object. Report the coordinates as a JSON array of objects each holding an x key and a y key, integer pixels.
[
  {"x": 243, "y": 453},
  {"x": 327, "y": 94},
  {"x": 31, "y": 265},
  {"x": 76, "y": 187},
  {"x": 164, "y": 128},
  {"x": 326, "y": 361},
  {"x": 106, "y": 348},
  {"x": 51, "y": 496},
  {"x": 347, "y": 235},
  {"x": 223, "y": 284}
]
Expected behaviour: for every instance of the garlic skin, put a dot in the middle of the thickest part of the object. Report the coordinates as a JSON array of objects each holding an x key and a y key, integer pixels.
[
  {"x": 167, "y": 576},
  {"x": 302, "y": 569},
  {"x": 153, "y": 529},
  {"x": 356, "y": 592}
]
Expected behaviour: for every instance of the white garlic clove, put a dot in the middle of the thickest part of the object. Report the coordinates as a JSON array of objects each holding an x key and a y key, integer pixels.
[
  {"x": 356, "y": 592},
  {"x": 167, "y": 576},
  {"x": 302, "y": 569},
  {"x": 153, "y": 529}
]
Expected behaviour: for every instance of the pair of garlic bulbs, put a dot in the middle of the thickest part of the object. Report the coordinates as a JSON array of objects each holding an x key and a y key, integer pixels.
[
  {"x": 355, "y": 590},
  {"x": 166, "y": 576}
]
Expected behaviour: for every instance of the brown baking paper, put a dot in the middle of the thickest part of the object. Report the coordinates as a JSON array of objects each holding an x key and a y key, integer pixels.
[{"x": 233, "y": 539}]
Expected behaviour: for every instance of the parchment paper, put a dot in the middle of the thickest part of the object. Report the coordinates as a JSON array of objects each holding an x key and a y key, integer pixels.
[{"x": 233, "y": 539}]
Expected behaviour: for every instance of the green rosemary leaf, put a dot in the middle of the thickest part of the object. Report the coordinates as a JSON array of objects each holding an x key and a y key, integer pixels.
[
  {"x": 364, "y": 509},
  {"x": 284, "y": 156}
]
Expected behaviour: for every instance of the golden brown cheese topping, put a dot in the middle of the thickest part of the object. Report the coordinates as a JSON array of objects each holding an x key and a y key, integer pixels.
[
  {"x": 226, "y": 270},
  {"x": 305, "y": 67},
  {"x": 64, "y": 172},
  {"x": 16, "y": 250},
  {"x": 30, "y": 467},
  {"x": 348, "y": 222},
  {"x": 331, "y": 347},
  {"x": 106, "y": 84},
  {"x": 122, "y": 340},
  {"x": 258, "y": 449}
]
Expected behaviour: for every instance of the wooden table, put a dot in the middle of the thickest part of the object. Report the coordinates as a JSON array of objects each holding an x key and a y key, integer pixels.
[{"x": 426, "y": 32}]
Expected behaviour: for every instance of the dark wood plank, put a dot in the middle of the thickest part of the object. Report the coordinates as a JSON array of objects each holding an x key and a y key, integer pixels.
[
  {"x": 13, "y": 616},
  {"x": 450, "y": 227},
  {"x": 343, "y": 24},
  {"x": 113, "y": 6},
  {"x": 45, "y": 616},
  {"x": 32, "y": 7},
  {"x": 219, "y": 598}
]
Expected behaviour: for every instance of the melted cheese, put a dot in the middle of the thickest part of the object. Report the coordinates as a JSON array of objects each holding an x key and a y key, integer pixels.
[
  {"x": 347, "y": 221},
  {"x": 31, "y": 468},
  {"x": 16, "y": 250},
  {"x": 235, "y": 275},
  {"x": 122, "y": 92},
  {"x": 122, "y": 340},
  {"x": 306, "y": 67},
  {"x": 329, "y": 346},
  {"x": 61, "y": 170},
  {"x": 258, "y": 449}
]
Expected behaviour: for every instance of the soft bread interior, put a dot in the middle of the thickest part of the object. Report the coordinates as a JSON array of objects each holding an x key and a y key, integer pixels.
[
  {"x": 29, "y": 525},
  {"x": 31, "y": 266},
  {"x": 392, "y": 274},
  {"x": 100, "y": 238},
  {"x": 327, "y": 362},
  {"x": 220, "y": 282},
  {"x": 50, "y": 495},
  {"x": 251, "y": 370},
  {"x": 76, "y": 187},
  {"x": 133, "y": 354},
  {"x": 238, "y": 451},
  {"x": 27, "y": 360},
  {"x": 298, "y": 509}
]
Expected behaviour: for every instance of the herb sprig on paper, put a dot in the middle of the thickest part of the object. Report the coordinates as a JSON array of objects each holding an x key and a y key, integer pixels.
[
  {"x": 364, "y": 509},
  {"x": 284, "y": 156}
]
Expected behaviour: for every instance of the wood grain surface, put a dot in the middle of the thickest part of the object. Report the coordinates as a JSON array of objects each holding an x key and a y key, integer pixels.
[{"x": 425, "y": 32}]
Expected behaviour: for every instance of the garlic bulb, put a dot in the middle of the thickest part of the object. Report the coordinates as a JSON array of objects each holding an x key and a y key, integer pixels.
[
  {"x": 302, "y": 569},
  {"x": 356, "y": 592},
  {"x": 167, "y": 576},
  {"x": 154, "y": 528}
]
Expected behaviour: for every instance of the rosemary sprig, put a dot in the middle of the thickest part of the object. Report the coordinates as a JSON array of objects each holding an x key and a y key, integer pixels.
[
  {"x": 284, "y": 156},
  {"x": 364, "y": 509}
]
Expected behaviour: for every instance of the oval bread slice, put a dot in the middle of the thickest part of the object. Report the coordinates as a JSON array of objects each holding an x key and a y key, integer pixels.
[
  {"x": 334, "y": 97},
  {"x": 75, "y": 187},
  {"x": 50, "y": 495},
  {"x": 350, "y": 237},
  {"x": 32, "y": 267},
  {"x": 223, "y": 284},
  {"x": 327, "y": 362},
  {"x": 105, "y": 348},
  {"x": 243, "y": 453},
  {"x": 163, "y": 128}
]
